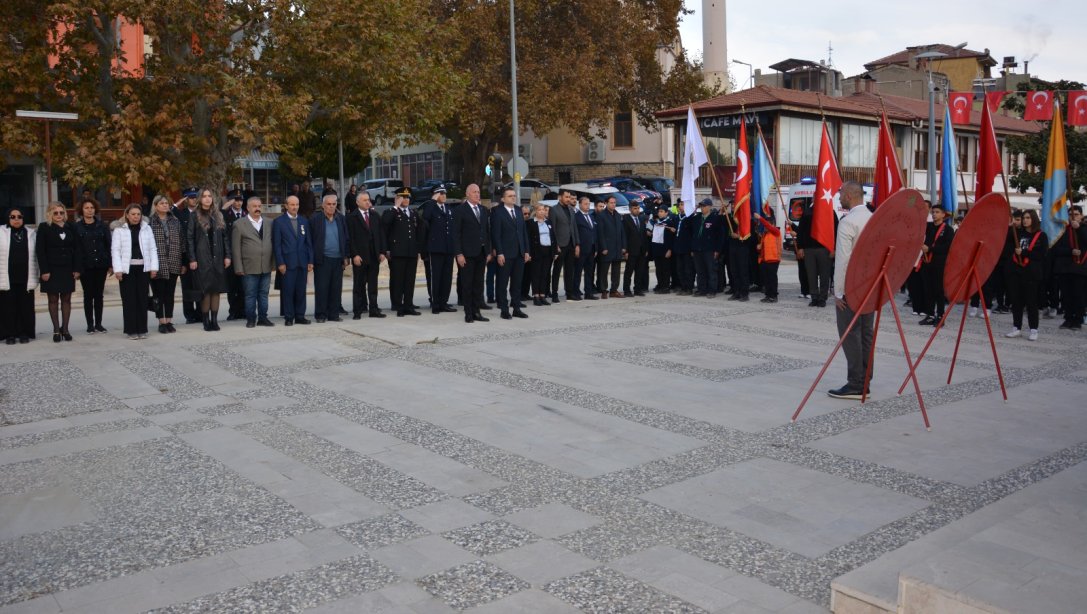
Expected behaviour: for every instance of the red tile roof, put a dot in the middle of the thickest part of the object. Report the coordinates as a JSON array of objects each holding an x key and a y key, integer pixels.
[{"x": 903, "y": 57}]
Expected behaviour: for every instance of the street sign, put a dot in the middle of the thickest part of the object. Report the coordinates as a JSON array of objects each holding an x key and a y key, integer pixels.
[{"x": 517, "y": 168}]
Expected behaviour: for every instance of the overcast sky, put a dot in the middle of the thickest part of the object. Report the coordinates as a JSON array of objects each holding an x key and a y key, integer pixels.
[{"x": 1050, "y": 34}]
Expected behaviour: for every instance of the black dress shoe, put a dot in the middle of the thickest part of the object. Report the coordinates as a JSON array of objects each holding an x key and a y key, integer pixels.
[
  {"x": 24, "y": 340},
  {"x": 319, "y": 320},
  {"x": 927, "y": 321},
  {"x": 401, "y": 313},
  {"x": 56, "y": 337},
  {"x": 250, "y": 323},
  {"x": 544, "y": 303},
  {"x": 517, "y": 313},
  {"x": 357, "y": 316},
  {"x": 479, "y": 318},
  {"x": 163, "y": 330},
  {"x": 336, "y": 319},
  {"x": 376, "y": 314},
  {"x": 435, "y": 310},
  {"x": 302, "y": 321},
  {"x": 169, "y": 327},
  {"x": 592, "y": 297},
  {"x": 506, "y": 315},
  {"x": 413, "y": 312},
  {"x": 639, "y": 293},
  {"x": 485, "y": 306},
  {"x": 10, "y": 341},
  {"x": 574, "y": 298},
  {"x": 449, "y": 309},
  {"x": 468, "y": 319},
  {"x": 265, "y": 322},
  {"x": 288, "y": 322},
  {"x": 67, "y": 335},
  {"x": 845, "y": 392}
]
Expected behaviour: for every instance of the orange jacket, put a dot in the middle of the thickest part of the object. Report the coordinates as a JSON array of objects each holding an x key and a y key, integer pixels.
[{"x": 770, "y": 244}]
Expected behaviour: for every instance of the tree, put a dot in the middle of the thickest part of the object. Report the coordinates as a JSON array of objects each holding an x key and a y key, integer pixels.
[
  {"x": 578, "y": 62},
  {"x": 222, "y": 79},
  {"x": 1035, "y": 147}
]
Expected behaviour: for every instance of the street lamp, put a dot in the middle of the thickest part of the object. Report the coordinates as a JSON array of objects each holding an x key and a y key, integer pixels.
[
  {"x": 750, "y": 72},
  {"x": 933, "y": 55},
  {"x": 47, "y": 116}
]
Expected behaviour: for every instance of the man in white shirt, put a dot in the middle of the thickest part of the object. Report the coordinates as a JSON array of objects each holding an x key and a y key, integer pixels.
[{"x": 857, "y": 345}]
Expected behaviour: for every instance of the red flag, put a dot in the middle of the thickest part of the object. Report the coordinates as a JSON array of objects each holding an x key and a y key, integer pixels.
[
  {"x": 993, "y": 100},
  {"x": 989, "y": 164},
  {"x": 1039, "y": 106},
  {"x": 742, "y": 207},
  {"x": 1077, "y": 108},
  {"x": 961, "y": 104},
  {"x": 827, "y": 185},
  {"x": 888, "y": 170}
]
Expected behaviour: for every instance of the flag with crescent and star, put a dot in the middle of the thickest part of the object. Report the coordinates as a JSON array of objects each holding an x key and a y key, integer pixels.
[
  {"x": 960, "y": 103},
  {"x": 993, "y": 100},
  {"x": 1039, "y": 106},
  {"x": 989, "y": 164},
  {"x": 742, "y": 207},
  {"x": 1054, "y": 211},
  {"x": 827, "y": 183},
  {"x": 694, "y": 156},
  {"x": 949, "y": 167},
  {"x": 1077, "y": 108},
  {"x": 888, "y": 170}
]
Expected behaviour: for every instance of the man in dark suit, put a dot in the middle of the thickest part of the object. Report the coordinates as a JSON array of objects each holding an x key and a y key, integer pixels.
[
  {"x": 707, "y": 241},
  {"x": 472, "y": 246},
  {"x": 586, "y": 229},
  {"x": 439, "y": 224},
  {"x": 366, "y": 246},
  {"x": 291, "y": 241},
  {"x": 183, "y": 211},
  {"x": 566, "y": 237},
  {"x": 233, "y": 211},
  {"x": 330, "y": 258},
  {"x": 611, "y": 248},
  {"x": 403, "y": 230},
  {"x": 637, "y": 268},
  {"x": 510, "y": 243},
  {"x": 307, "y": 201}
]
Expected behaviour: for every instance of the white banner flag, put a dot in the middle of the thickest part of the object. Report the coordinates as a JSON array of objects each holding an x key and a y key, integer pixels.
[{"x": 694, "y": 156}]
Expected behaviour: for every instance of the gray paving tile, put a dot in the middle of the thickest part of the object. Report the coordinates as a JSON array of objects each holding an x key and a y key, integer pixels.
[{"x": 472, "y": 584}]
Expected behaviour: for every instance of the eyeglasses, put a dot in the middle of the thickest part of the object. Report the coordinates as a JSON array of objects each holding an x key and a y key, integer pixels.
[
  {"x": 15, "y": 217},
  {"x": 58, "y": 213}
]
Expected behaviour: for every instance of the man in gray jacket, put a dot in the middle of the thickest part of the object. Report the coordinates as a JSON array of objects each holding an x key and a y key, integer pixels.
[
  {"x": 567, "y": 250},
  {"x": 254, "y": 261}
]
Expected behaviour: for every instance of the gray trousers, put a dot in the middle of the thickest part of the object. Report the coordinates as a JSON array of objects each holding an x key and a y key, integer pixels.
[
  {"x": 820, "y": 268},
  {"x": 857, "y": 345}
]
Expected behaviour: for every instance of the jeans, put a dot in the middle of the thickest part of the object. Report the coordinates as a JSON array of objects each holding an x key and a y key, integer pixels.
[{"x": 256, "y": 295}]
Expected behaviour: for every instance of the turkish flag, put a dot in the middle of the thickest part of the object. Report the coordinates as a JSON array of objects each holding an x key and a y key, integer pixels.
[
  {"x": 989, "y": 164},
  {"x": 827, "y": 185},
  {"x": 993, "y": 100},
  {"x": 888, "y": 170},
  {"x": 742, "y": 208},
  {"x": 1077, "y": 108},
  {"x": 1039, "y": 106},
  {"x": 961, "y": 104}
]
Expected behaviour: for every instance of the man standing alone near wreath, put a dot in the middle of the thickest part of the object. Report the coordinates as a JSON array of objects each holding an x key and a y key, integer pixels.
[{"x": 857, "y": 345}]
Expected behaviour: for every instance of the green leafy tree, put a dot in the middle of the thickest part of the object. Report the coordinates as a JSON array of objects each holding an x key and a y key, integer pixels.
[{"x": 1035, "y": 147}]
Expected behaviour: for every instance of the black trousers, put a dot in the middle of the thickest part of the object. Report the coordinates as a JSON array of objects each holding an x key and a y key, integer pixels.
[
  {"x": 17, "y": 313},
  {"x": 565, "y": 265},
  {"x": 739, "y": 256},
  {"x": 1024, "y": 291},
  {"x": 441, "y": 279},
  {"x": 427, "y": 273},
  {"x": 663, "y": 268},
  {"x": 508, "y": 282},
  {"x": 1073, "y": 288},
  {"x": 915, "y": 286},
  {"x": 685, "y": 266},
  {"x": 364, "y": 287},
  {"x": 820, "y": 268},
  {"x": 163, "y": 288},
  {"x": 606, "y": 269},
  {"x": 802, "y": 273},
  {"x": 540, "y": 269},
  {"x": 327, "y": 287},
  {"x": 93, "y": 282},
  {"x": 769, "y": 274},
  {"x": 636, "y": 270},
  {"x": 402, "y": 271},
  {"x": 134, "y": 286},
  {"x": 987, "y": 287},
  {"x": 933, "y": 274},
  {"x": 470, "y": 284},
  {"x": 235, "y": 294},
  {"x": 586, "y": 268},
  {"x": 190, "y": 309},
  {"x": 706, "y": 272}
]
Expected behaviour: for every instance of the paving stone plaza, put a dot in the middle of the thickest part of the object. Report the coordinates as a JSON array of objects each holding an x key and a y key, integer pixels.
[{"x": 628, "y": 455}]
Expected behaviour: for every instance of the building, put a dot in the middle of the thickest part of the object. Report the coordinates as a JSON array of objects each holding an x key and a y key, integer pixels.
[
  {"x": 791, "y": 122},
  {"x": 802, "y": 75}
]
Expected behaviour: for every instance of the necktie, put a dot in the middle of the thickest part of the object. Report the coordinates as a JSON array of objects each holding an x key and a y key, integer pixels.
[
  {"x": 475, "y": 210},
  {"x": 366, "y": 218}
]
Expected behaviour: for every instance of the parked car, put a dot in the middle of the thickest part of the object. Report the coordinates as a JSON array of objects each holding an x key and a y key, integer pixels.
[
  {"x": 627, "y": 186},
  {"x": 595, "y": 193},
  {"x": 660, "y": 185},
  {"x": 425, "y": 190},
  {"x": 529, "y": 187},
  {"x": 382, "y": 191}
]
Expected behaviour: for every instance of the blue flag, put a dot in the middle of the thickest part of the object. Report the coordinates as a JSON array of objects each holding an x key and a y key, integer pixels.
[
  {"x": 1054, "y": 212},
  {"x": 762, "y": 179},
  {"x": 949, "y": 167}
]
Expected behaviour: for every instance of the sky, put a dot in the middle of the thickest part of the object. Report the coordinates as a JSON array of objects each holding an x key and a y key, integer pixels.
[{"x": 1051, "y": 35}]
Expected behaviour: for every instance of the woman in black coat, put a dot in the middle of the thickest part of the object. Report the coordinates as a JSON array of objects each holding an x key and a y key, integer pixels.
[
  {"x": 1026, "y": 274},
  {"x": 60, "y": 263},
  {"x": 94, "y": 241},
  {"x": 209, "y": 257},
  {"x": 541, "y": 246}
]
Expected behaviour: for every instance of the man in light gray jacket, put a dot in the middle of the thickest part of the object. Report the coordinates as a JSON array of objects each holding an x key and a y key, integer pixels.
[{"x": 254, "y": 261}]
